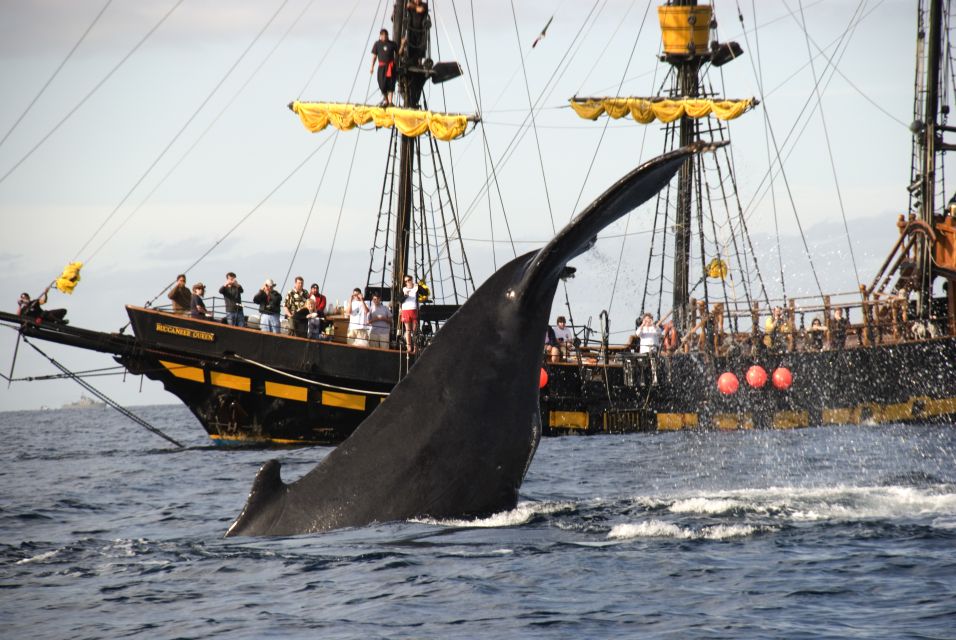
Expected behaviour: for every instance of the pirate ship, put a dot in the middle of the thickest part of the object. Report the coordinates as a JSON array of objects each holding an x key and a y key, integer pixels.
[{"x": 720, "y": 367}]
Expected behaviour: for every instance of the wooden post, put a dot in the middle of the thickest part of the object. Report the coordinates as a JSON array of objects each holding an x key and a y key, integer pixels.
[
  {"x": 791, "y": 323},
  {"x": 865, "y": 306},
  {"x": 755, "y": 329},
  {"x": 827, "y": 321}
]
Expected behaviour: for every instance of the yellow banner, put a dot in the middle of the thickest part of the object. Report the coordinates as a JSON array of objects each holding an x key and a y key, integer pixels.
[
  {"x": 646, "y": 111},
  {"x": 316, "y": 116},
  {"x": 69, "y": 278}
]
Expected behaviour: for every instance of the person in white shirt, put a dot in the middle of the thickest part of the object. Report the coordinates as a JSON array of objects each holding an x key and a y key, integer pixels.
[
  {"x": 358, "y": 320},
  {"x": 409, "y": 312},
  {"x": 380, "y": 321},
  {"x": 564, "y": 338},
  {"x": 648, "y": 336}
]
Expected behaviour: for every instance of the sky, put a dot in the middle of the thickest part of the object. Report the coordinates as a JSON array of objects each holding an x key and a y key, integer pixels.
[{"x": 152, "y": 143}]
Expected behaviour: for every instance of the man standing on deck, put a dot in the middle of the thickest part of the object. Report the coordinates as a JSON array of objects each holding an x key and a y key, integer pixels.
[
  {"x": 358, "y": 320},
  {"x": 384, "y": 52},
  {"x": 294, "y": 301},
  {"x": 231, "y": 292},
  {"x": 269, "y": 302},
  {"x": 180, "y": 295}
]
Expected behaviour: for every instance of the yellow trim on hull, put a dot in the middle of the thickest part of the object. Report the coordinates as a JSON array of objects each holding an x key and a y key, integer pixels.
[
  {"x": 185, "y": 372},
  {"x": 569, "y": 419},
  {"x": 287, "y": 391},
  {"x": 343, "y": 400},
  {"x": 229, "y": 381}
]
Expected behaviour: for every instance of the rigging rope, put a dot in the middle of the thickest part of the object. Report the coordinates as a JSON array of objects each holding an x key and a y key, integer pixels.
[
  {"x": 228, "y": 104},
  {"x": 102, "y": 396},
  {"x": 56, "y": 71},
  {"x": 826, "y": 134},
  {"x": 89, "y": 95},
  {"x": 179, "y": 133}
]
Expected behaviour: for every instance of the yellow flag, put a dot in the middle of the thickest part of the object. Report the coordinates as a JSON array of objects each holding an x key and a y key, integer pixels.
[
  {"x": 717, "y": 269},
  {"x": 70, "y": 276}
]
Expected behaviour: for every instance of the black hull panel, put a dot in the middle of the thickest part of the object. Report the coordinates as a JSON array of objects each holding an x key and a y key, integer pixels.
[
  {"x": 898, "y": 383},
  {"x": 246, "y": 386}
]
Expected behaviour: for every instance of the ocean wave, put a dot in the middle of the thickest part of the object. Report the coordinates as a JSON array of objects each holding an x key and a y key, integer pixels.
[
  {"x": 522, "y": 514},
  {"x": 661, "y": 529}
]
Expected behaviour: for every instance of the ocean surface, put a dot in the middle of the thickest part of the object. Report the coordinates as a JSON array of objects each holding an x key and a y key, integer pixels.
[{"x": 106, "y": 531}]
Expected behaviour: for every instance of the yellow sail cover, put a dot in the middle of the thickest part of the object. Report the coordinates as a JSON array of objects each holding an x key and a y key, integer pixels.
[
  {"x": 646, "y": 111},
  {"x": 411, "y": 122}
]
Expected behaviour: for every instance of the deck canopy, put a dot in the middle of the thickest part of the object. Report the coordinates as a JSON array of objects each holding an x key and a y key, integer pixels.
[
  {"x": 646, "y": 110},
  {"x": 316, "y": 116}
]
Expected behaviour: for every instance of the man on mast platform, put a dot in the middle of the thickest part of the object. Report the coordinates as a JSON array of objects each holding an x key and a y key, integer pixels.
[{"x": 384, "y": 52}]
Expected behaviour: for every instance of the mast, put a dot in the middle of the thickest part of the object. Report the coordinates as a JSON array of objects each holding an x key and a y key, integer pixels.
[
  {"x": 686, "y": 61},
  {"x": 927, "y": 139},
  {"x": 410, "y": 98}
]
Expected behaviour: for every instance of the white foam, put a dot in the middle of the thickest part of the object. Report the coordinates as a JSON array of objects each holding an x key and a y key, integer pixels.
[
  {"x": 40, "y": 557},
  {"x": 523, "y": 513},
  {"x": 661, "y": 529}
]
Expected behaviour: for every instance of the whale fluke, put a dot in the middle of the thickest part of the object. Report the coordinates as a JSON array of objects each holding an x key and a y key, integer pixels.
[{"x": 464, "y": 452}]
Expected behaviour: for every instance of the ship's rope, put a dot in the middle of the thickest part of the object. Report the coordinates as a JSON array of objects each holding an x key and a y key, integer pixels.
[
  {"x": 103, "y": 397},
  {"x": 173, "y": 140},
  {"x": 826, "y": 130},
  {"x": 92, "y": 91},
  {"x": 307, "y": 380},
  {"x": 242, "y": 220},
  {"x": 228, "y": 104},
  {"x": 534, "y": 123},
  {"x": 56, "y": 71}
]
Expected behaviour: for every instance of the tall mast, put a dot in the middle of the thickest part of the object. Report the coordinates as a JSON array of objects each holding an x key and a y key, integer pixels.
[
  {"x": 407, "y": 149},
  {"x": 928, "y": 141},
  {"x": 686, "y": 60}
]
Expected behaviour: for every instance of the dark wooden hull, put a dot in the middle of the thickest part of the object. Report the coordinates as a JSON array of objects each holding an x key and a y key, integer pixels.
[
  {"x": 893, "y": 383},
  {"x": 247, "y": 386}
]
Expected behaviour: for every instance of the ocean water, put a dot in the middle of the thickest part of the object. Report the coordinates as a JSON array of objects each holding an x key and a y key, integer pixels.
[{"x": 842, "y": 532}]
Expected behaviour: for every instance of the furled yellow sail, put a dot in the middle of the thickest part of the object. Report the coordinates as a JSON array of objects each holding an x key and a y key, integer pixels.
[
  {"x": 69, "y": 278},
  {"x": 645, "y": 111},
  {"x": 411, "y": 122}
]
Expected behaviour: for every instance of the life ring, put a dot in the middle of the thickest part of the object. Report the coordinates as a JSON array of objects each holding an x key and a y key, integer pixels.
[{"x": 670, "y": 337}]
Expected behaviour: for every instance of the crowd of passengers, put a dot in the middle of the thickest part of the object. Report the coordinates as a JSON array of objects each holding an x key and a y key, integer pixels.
[
  {"x": 777, "y": 336},
  {"x": 305, "y": 310}
]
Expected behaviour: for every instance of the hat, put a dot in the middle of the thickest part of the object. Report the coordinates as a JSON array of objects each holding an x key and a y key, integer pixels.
[
  {"x": 270, "y": 282},
  {"x": 314, "y": 286}
]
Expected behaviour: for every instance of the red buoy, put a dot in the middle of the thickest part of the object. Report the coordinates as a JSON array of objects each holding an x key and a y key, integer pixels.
[
  {"x": 756, "y": 376},
  {"x": 727, "y": 383},
  {"x": 782, "y": 378},
  {"x": 542, "y": 379}
]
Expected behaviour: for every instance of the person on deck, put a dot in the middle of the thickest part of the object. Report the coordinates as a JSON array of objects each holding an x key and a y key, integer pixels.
[
  {"x": 358, "y": 320},
  {"x": 197, "y": 308},
  {"x": 384, "y": 52},
  {"x": 294, "y": 302},
  {"x": 776, "y": 329},
  {"x": 840, "y": 326},
  {"x": 815, "y": 334},
  {"x": 564, "y": 338},
  {"x": 647, "y": 337},
  {"x": 28, "y": 308},
  {"x": 269, "y": 302},
  {"x": 380, "y": 321},
  {"x": 409, "y": 311},
  {"x": 231, "y": 292},
  {"x": 180, "y": 295},
  {"x": 317, "y": 322}
]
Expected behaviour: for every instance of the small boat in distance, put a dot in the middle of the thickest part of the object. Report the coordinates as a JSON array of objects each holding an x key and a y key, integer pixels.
[{"x": 84, "y": 403}]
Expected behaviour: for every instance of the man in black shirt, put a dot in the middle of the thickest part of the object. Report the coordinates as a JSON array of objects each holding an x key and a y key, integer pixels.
[{"x": 384, "y": 52}]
